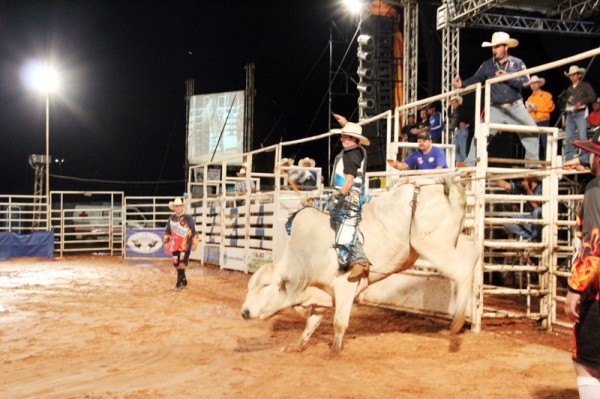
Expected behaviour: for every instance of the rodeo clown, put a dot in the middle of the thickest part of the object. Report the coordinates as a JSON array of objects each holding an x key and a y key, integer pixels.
[
  {"x": 345, "y": 214},
  {"x": 180, "y": 239}
]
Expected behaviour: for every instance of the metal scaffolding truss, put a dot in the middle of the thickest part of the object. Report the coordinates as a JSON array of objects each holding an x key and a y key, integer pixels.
[
  {"x": 411, "y": 46},
  {"x": 534, "y": 24},
  {"x": 575, "y": 9},
  {"x": 450, "y": 62}
]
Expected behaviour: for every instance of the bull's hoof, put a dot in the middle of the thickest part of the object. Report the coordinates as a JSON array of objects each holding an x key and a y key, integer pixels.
[
  {"x": 457, "y": 324},
  {"x": 292, "y": 348}
]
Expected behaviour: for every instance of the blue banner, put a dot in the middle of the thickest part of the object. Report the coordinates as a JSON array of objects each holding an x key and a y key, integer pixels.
[{"x": 39, "y": 243}]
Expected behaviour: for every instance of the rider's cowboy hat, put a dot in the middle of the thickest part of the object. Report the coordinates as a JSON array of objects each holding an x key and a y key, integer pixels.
[
  {"x": 501, "y": 38},
  {"x": 353, "y": 130}
]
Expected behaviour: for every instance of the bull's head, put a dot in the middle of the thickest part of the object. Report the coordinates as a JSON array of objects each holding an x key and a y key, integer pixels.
[{"x": 266, "y": 294}]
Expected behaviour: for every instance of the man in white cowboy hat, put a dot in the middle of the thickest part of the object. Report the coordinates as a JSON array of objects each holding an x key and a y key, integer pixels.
[
  {"x": 241, "y": 185},
  {"x": 579, "y": 94},
  {"x": 506, "y": 98},
  {"x": 459, "y": 127},
  {"x": 582, "y": 304},
  {"x": 304, "y": 178},
  {"x": 540, "y": 105},
  {"x": 180, "y": 239},
  {"x": 594, "y": 116},
  {"x": 348, "y": 177}
]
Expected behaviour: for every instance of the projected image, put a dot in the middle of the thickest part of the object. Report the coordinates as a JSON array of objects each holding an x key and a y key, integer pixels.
[{"x": 216, "y": 126}]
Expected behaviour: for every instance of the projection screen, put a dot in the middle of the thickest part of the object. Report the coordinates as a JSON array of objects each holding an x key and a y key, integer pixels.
[{"x": 211, "y": 114}]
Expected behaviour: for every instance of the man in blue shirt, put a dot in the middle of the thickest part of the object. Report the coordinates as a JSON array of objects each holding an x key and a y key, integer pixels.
[
  {"x": 436, "y": 125},
  {"x": 506, "y": 99},
  {"x": 426, "y": 157}
]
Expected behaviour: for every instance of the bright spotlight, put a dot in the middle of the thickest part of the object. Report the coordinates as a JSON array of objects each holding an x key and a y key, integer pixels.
[
  {"x": 39, "y": 76},
  {"x": 355, "y": 6}
]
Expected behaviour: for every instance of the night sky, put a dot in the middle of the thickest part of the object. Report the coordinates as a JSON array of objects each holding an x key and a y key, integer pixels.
[{"x": 120, "y": 111}]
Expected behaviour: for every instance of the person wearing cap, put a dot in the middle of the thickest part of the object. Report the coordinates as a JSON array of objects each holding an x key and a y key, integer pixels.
[
  {"x": 436, "y": 124},
  {"x": 348, "y": 178},
  {"x": 460, "y": 121},
  {"x": 582, "y": 304},
  {"x": 506, "y": 98},
  {"x": 578, "y": 94},
  {"x": 426, "y": 157},
  {"x": 180, "y": 239},
  {"x": 540, "y": 105},
  {"x": 241, "y": 185},
  {"x": 594, "y": 116}
]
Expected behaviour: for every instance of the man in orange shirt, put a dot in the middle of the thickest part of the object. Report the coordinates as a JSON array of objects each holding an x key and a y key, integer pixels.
[{"x": 539, "y": 105}]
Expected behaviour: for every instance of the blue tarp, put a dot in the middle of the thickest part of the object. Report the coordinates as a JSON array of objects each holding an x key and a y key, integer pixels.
[{"x": 40, "y": 243}]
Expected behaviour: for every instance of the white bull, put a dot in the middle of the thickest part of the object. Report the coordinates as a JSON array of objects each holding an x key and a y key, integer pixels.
[{"x": 307, "y": 278}]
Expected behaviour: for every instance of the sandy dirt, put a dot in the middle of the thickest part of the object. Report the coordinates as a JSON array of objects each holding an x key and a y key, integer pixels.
[{"x": 101, "y": 327}]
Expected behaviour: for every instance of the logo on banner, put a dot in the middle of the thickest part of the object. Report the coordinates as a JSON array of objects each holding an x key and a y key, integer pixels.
[{"x": 145, "y": 242}]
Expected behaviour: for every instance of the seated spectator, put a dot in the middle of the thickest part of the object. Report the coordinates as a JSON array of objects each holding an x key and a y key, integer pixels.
[
  {"x": 409, "y": 133},
  {"x": 426, "y": 157},
  {"x": 240, "y": 185},
  {"x": 528, "y": 186}
]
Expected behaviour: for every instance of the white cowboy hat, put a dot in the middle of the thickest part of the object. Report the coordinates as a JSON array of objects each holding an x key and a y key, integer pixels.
[
  {"x": 241, "y": 172},
  {"x": 573, "y": 69},
  {"x": 501, "y": 38},
  {"x": 536, "y": 78},
  {"x": 177, "y": 201},
  {"x": 353, "y": 130},
  {"x": 457, "y": 98},
  {"x": 310, "y": 161},
  {"x": 289, "y": 161}
]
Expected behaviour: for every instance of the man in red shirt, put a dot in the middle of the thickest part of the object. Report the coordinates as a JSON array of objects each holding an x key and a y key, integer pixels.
[{"x": 594, "y": 116}]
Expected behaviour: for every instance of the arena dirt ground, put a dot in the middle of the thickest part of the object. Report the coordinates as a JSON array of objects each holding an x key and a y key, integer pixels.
[{"x": 102, "y": 327}]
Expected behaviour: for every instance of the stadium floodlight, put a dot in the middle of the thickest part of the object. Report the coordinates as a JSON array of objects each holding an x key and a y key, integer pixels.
[
  {"x": 366, "y": 56},
  {"x": 365, "y": 40},
  {"x": 355, "y": 6},
  {"x": 366, "y": 88},
  {"x": 366, "y": 103},
  {"x": 39, "y": 76},
  {"x": 365, "y": 73}
]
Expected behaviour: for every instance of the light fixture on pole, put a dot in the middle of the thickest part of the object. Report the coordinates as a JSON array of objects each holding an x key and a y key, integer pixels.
[{"x": 41, "y": 77}]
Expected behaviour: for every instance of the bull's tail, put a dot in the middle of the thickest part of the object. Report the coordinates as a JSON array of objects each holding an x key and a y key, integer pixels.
[{"x": 457, "y": 197}]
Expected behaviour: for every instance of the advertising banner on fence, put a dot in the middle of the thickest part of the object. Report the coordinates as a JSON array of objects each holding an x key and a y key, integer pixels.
[
  {"x": 144, "y": 243},
  {"x": 258, "y": 258}
]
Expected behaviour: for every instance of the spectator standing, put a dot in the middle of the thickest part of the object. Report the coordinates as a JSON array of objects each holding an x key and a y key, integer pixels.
[
  {"x": 304, "y": 178},
  {"x": 582, "y": 305},
  {"x": 180, "y": 239},
  {"x": 426, "y": 157},
  {"x": 408, "y": 132},
  {"x": 241, "y": 185},
  {"x": 460, "y": 122},
  {"x": 540, "y": 105},
  {"x": 594, "y": 117},
  {"x": 436, "y": 124},
  {"x": 579, "y": 94},
  {"x": 506, "y": 98}
]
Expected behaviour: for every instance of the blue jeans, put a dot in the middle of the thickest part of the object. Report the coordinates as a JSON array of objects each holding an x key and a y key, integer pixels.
[
  {"x": 575, "y": 121},
  {"x": 515, "y": 115},
  {"x": 531, "y": 232},
  {"x": 460, "y": 142},
  {"x": 543, "y": 139}
]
